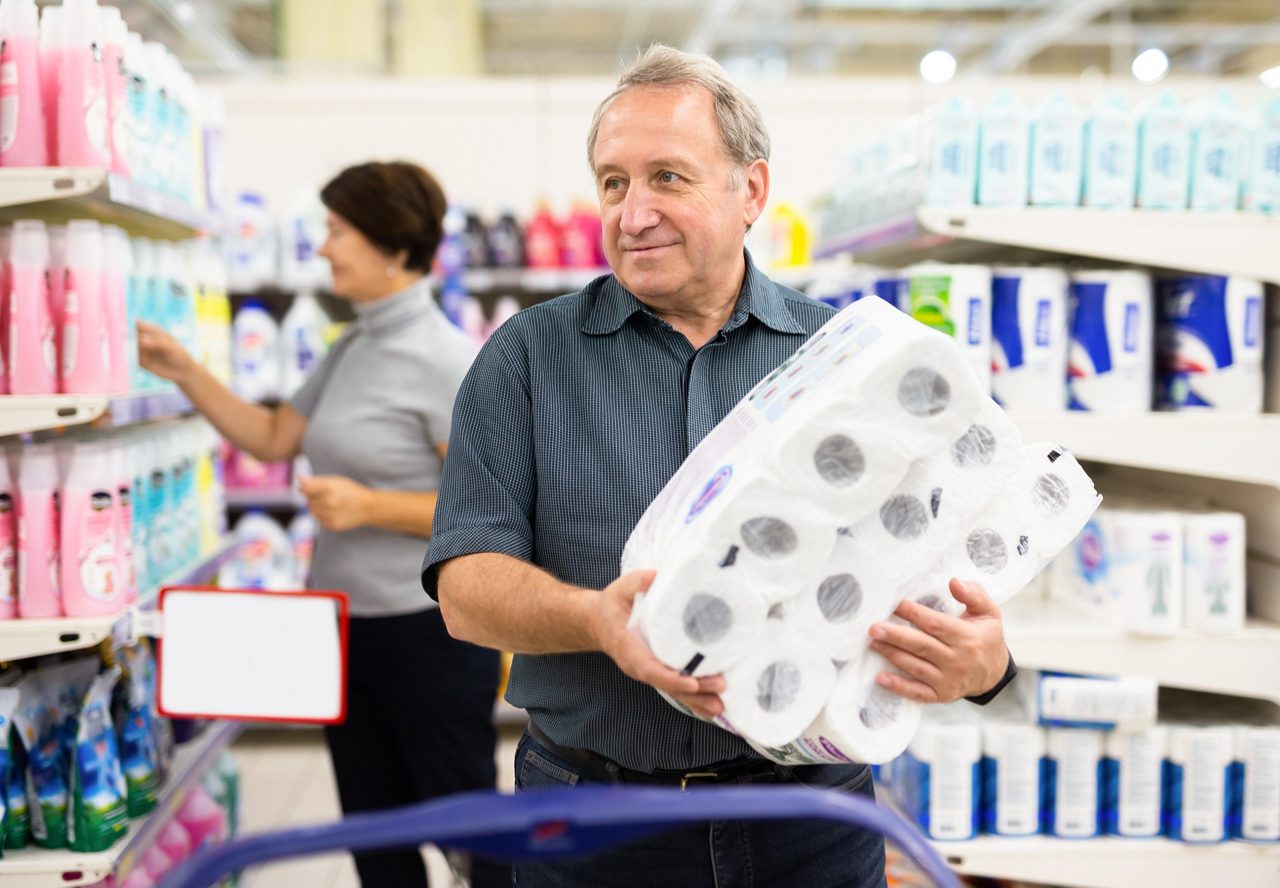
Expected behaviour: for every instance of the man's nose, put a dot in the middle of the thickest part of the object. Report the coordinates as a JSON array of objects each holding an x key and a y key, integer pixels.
[{"x": 639, "y": 211}]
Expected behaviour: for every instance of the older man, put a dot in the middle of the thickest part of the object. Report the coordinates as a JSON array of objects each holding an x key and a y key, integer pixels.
[{"x": 574, "y": 416}]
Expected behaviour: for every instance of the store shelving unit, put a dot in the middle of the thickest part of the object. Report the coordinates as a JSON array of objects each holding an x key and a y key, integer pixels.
[
  {"x": 33, "y": 413},
  {"x": 1111, "y": 862},
  {"x": 43, "y": 868},
  {"x": 284, "y": 498},
  {"x": 1053, "y": 636},
  {"x": 1211, "y": 243},
  {"x": 1230, "y": 448},
  {"x": 33, "y": 638},
  {"x": 58, "y": 194},
  {"x": 530, "y": 280}
]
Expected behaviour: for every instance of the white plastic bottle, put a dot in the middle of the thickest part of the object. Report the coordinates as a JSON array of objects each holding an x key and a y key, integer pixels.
[
  {"x": 136, "y": 121},
  {"x": 91, "y": 583},
  {"x": 32, "y": 343},
  {"x": 115, "y": 275},
  {"x": 39, "y": 533},
  {"x": 82, "y": 98},
  {"x": 115, "y": 88},
  {"x": 22, "y": 130},
  {"x": 86, "y": 360},
  {"x": 255, "y": 353},
  {"x": 302, "y": 538},
  {"x": 8, "y": 543},
  {"x": 303, "y": 345},
  {"x": 265, "y": 555},
  {"x": 122, "y": 471}
]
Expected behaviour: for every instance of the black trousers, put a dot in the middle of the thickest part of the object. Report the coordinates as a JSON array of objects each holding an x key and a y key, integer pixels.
[{"x": 419, "y": 726}]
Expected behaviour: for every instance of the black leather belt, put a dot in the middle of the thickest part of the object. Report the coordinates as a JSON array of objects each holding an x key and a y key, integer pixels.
[{"x": 600, "y": 769}]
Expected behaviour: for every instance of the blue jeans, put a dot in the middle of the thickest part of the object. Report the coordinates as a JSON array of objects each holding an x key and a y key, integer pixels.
[{"x": 723, "y": 854}]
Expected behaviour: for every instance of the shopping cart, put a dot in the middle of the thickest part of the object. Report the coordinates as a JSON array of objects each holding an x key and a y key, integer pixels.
[{"x": 555, "y": 823}]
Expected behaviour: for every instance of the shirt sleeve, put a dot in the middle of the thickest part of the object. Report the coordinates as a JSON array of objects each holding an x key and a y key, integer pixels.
[{"x": 487, "y": 490}]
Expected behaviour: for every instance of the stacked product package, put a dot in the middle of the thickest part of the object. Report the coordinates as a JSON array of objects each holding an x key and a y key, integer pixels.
[{"x": 869, "y": 468}]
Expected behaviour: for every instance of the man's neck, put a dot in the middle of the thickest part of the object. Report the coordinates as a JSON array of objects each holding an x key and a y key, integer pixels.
[{"x": 700, "y": 317}]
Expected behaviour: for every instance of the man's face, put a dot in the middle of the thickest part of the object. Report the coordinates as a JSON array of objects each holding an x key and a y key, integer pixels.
[{"x": 673, "y": 224}]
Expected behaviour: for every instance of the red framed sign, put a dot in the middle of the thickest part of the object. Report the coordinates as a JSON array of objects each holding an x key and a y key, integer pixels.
[{"x": 252, "y": 655}]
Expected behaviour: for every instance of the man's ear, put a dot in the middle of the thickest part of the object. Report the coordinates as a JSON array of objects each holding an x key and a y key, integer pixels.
[{"x": 757, "y": 191}]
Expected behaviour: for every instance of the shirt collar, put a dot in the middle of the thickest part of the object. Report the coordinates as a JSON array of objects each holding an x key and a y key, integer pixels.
[
  {"x": 397, "y": 308},
  {"x": 759, "y": 297}
]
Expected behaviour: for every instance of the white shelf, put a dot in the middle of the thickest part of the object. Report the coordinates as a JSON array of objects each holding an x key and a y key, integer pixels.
[
  {"x": 1053, "y": 636},
  {"x": 1231, "y": 448},
  {"x": 130, "y": 409},
  {"x": 530, "y": 280},
  {"x": 1111, "y": 862},
  {"x": 43, "y": 868},
  {"x": 59, "y": 194},
  {"x": 247, "y": 498},
  {"x": 1212, "y": 243},
  {"x": 32, "y": 413},
  {"x": 21, "y": 638}
]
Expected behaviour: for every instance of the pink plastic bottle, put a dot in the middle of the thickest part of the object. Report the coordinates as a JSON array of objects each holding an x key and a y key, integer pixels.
[
  {"x": 115, "y": 264},
  {"x": 175, "y": 842},
  {"x": 82, "y": 97},
  {"x": 203, "y": 818},
  {"x": 122, "y": 458},
  {"x": 156, "y": 863},
  {"x": 139, "y": 878},
  {"x": 86, "y": 366},
  {"x": 50, "y": 69},
  {"x": 8, "y": 544},
  {"x": 542, "y": 240},
  {"x": 581, "y": 238},
  {"x": 115, "y": 85},
  {"x": 39, "y": 533},
  {"x": 22, "y": 131},
  {"x": 91, "y": 585},
  {"x": 6, "y": 238},
  {"x": 33, "y": 349}
]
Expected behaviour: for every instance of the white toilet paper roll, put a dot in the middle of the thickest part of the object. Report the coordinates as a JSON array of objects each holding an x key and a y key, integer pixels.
[
  {"x": 1074, "y": 757},
  {"x": 1199, "y": 786},
  {"x": 1111, "y": 358},
  {"x": 1145, "y": 568},
  {"x": 699, "y": 619},
  {"x": 1210, "y": 343},
  {"x": 956, "y": 299},
  {"x": 990, "y": 438},
  {"x": 835, "y": 611},
  {"x": 1134, "y": 779},
  {"x": 942, "y": 777},
  {"x": 1257, "y": 757},
  {"x": 773, "y": 693},
  {"x": 1214, "y": 578},
  {"x": 862, "y": 721},
  {"x": 839, "y": 461},
  {"x": 1011, "y": 768},
  {"x": 1029, "y": 337}
]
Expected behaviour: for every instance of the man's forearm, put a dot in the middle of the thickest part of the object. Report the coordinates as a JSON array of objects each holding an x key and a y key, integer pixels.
[{"x": 501, "y": 602}]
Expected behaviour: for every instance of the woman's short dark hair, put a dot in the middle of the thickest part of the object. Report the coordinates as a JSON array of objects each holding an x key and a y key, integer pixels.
[{"x": 396, "y": 205}]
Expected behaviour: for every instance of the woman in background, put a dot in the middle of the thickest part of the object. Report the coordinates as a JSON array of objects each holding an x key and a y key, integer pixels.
[{"x": 373, "y": 420}]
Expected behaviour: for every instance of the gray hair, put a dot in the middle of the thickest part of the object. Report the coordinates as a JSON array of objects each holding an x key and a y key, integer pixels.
[{"x": 741, "y": 125}]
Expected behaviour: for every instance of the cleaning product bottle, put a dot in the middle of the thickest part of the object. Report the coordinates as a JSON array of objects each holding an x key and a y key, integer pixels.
[
  {"x": 302, "y": 539},
  {"x": 1164, "y": 166},
  {"x": 139, "y": 501},
  {"x": 159, "y": 109},
  {"x": 136, "y": 122},
  {"x": 8, "y": 544},
  {"x": 503, "y": 310},
  {"x": 86, "y": 356},
  {"x": 57, "y": 278},
  {"x": 302, "y": 332},
  {"x": 204, "y": 822},
  {"x": 790, "y": 242},
  {"x": 33, "y": 348},
  {"x": 144, "y": 297},
  {"x": 50, "y": 63},
  {"x": 39, "y": 533},
  {"x": 1110, "y": 154},
  {"x": 90, "y": 581},
  {"x": 1262, "y": 185},
  {"x": 506, "y": 242},
  {"x": 175, "y": 842},
  {"x": 475, "y": 238},
  {"x": 122, "y": 471},
  {"x": 82, "y": 98},
  {"x": 1217, "y": 154},
  {"x": 115, "y": 272},
  {"x": 255, "y": 353},
  {"x": 264, "y": 558},
  {"x": 542, "y": 239},
  {"x": 580, "y": 242},
  {"x": 22, "y": 129},
  {"x": 115, "y": 88},
  {"x": 1002, "y": 156},
  {"x": 160, "y": 530},
  {"x": 6, "y": 241}
]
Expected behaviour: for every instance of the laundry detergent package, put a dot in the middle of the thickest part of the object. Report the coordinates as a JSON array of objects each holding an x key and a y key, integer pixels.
[
  {"x": 99, "y": 810},
  {"x": 138, "y": 751},
  {"x": 45, "y": 785},
  {"x": 17, "y": 817},
  {"x": 8, "y": 703},
  {"x": 870, "y": 467}
]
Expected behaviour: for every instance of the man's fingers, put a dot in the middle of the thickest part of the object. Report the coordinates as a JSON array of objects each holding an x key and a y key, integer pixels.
[
  {"x": 706, "y": 706},
  {"x": 910, "y": 688},
  {"x": 912, "y": 640},
  {"x": 910, "y": 664},
  {"x": 926, "y": 619},
  {"x": 975, "y": 599},
  {"x": 632, "y": 584}
]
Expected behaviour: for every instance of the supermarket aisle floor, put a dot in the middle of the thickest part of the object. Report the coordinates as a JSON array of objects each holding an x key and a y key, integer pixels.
[{"x": 286, "y": 781}]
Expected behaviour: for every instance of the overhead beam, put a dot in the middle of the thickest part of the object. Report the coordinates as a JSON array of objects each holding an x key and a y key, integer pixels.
[{"x": 1024, "y": 39}]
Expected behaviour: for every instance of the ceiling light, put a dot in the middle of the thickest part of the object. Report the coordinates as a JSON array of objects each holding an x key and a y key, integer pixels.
[
  {"x": 1150, "y": 65},
  {"x": 938, "y": 66},
  {"x": 1271, "y": 77},
  {"x": 183, "y": 11}
]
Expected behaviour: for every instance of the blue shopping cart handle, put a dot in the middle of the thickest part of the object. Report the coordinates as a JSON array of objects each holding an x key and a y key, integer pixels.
[{"x": 555, "y": 823}]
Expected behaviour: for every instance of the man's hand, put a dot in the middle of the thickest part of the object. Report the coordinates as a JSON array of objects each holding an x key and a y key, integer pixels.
[
  {"x": 944, "y": 658},
  {"x": 337, "y": 503},
  {"x": 629, "y": 651}
]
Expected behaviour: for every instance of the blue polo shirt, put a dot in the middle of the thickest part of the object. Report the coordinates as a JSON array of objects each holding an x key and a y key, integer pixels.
[{"x": 573, "y": 417}]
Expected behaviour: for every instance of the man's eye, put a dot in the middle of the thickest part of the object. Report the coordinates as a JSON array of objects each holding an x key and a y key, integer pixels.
[
  {"x": 666, "y": 177},
  {"x": 612, "y": 184}
]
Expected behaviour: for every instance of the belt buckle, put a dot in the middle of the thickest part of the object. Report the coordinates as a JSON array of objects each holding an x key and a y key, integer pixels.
[{"x": 697, "y": 777}]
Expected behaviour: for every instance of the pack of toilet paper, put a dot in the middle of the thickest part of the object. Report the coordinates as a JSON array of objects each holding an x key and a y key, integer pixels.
[{"x": 871, "y": 467}]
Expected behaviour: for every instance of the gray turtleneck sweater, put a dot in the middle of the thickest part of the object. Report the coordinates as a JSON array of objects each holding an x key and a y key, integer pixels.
[{"x": 377, "y": 407}]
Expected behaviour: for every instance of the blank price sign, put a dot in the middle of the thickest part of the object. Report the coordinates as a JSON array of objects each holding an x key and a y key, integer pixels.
[{"x": 252, "y": 655}]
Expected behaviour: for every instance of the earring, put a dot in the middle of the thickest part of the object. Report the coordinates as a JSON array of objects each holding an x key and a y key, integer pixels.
[{"x": 391, "y": 271}]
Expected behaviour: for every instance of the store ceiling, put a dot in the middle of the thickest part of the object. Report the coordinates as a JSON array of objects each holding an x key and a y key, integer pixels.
[{"x": 773, "y": 37}]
